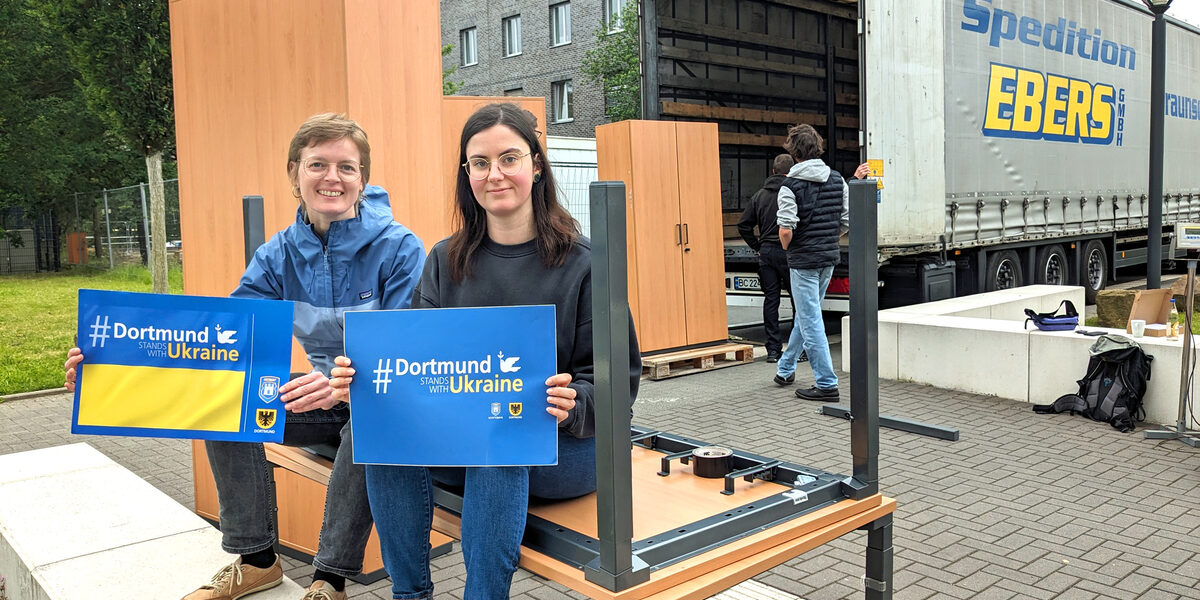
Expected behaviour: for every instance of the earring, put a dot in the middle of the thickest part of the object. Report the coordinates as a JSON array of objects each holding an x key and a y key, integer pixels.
[
  {"x": 296, "y": 191},
  {"x": 537, "y": 177}
]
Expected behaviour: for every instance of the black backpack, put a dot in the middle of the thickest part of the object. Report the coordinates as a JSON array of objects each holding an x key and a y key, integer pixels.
[{"x": 1113, "y": 387}]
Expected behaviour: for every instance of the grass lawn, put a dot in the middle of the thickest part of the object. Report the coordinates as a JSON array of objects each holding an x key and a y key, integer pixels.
[{"x": 37, "y": 319}]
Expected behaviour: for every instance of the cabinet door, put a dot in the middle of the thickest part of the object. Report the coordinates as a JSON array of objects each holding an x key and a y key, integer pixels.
[
  {"x": 657, "y": 233},
  {"x": 703, "y": 250}
]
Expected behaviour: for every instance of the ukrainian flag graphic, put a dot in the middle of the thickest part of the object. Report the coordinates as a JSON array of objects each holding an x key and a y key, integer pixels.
[{"x": 180, "y": 366}]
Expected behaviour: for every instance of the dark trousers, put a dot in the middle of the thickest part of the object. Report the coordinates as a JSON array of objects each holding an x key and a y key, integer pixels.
[{"x": 773, "y": 277}]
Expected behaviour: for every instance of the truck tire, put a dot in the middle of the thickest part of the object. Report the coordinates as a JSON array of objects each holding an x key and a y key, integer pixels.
[
  {"x": 1094, "y": 275},
  {"x": 1051, "y": 266},
  {"x": 1004, "y": 271}
]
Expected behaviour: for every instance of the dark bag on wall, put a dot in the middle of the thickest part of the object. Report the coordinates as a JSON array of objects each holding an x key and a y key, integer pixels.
[
  {"x": 1052, "y": 321},
  {"x": 1113, "y": 387}
]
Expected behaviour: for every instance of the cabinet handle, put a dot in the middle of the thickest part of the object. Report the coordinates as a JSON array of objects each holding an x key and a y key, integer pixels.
[
  {"x": 685, "y": 235},
  {"x": 678, "y": 235}
]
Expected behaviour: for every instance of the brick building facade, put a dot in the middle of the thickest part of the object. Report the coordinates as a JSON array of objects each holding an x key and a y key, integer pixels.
[{"x": 526, "y": 48}]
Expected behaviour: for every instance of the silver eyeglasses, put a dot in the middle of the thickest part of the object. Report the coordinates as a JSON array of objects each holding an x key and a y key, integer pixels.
[
  {"x": 347, "y": 171},
  {"x": 480, "y": 168}
]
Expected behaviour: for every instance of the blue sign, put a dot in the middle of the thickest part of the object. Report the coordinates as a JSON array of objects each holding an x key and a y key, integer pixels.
[
  {"x": 452, "y": 386},
  {"x": 181, "y": 366}
]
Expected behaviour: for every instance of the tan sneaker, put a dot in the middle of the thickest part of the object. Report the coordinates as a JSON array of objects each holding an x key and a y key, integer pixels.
[
  {"x": 237, "y": 580},
  {"x": 321, "y": 590}
]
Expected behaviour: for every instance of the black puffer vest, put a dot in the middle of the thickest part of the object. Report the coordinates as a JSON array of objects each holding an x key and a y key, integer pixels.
[{"x": 819, "y": 213}]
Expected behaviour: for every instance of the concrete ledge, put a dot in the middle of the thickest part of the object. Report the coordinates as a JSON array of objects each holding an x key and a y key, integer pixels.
[
  {"x": 76, "y": 525},
  {"x": 1058, "y": 359},
  {"x": 946, "y": 352},
  {"x": 980, "y": 344}
]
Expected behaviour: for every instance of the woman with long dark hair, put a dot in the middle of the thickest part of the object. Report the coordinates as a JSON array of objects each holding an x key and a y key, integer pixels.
[{"x": 514, "y": 245}]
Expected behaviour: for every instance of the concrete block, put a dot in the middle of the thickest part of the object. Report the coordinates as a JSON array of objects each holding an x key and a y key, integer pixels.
[
  {"x": 76, "y": 525},
  {"x": 142, "y": 566},
  {"x": 982, "y": 356},
  {"x": 1058, "y": 359},
  {"x": 61, "y": 516},
  {"x": 886, "y": 341},
  {"x": 50, "y": 461}
]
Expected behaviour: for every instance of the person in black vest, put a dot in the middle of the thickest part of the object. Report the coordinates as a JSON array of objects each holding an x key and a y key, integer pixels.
[
  {"x": 772, "y": 262},
  {"x": 812, "y": 205}
]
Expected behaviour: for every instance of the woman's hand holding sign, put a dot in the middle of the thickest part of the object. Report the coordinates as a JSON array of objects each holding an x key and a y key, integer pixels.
[
  {"x": 307, "y": 393},
  {"x": 560, "y": 397},
  {"x": 342, "y": 376},
  {"x": 74, "y": 357}
]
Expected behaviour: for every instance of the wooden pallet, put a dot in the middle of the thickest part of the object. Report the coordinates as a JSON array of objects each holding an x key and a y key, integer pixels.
[{"x": 686, "y": 362}]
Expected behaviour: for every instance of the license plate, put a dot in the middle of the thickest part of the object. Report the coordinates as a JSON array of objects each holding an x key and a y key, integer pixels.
[{"x": 745, "y": 283}]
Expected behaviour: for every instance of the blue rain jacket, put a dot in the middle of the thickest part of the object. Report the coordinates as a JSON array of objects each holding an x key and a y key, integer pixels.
[{"x": 368, "y": 262}]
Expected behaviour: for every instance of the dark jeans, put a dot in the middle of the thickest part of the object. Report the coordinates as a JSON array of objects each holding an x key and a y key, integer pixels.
[
  {"x": 495, "y": 504},
  {"x": 773, "y": 277},
  {"x": 246, "y": 491}
]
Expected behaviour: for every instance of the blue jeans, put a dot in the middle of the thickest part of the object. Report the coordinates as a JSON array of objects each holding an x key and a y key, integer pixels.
[
  {"x": 246, "y": 491},
  {"x": 808, "y": 329},
  {"x": 495, "y": 502}
]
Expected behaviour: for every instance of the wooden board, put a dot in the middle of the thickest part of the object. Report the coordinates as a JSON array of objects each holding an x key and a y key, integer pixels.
[
  {"x": 665, "y": 504},
  {"x": 300, "y": 482},
  {"x": 703, "y": 248},
  {"x": 246, "y": 75},
  {"x": 686, "y": 362}
]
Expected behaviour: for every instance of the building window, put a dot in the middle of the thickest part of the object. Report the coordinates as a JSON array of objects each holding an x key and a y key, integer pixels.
[
  {"x": 512, "y": 35},
  {"x": 561, "y": 99},
  {"x": 612, "y": 15},
  {"x": 520, "y": 91},
  {"x": 560, "y": 24},
  {"x": 466, "y": 43}
]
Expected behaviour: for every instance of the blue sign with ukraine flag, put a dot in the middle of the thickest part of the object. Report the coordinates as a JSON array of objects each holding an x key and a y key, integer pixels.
[
  {"x": 452, "y": 386},
  {"x": 182, "y": 366}
]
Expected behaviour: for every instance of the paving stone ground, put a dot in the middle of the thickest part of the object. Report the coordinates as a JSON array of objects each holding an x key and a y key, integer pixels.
[{"x": 1022, "y": 506}]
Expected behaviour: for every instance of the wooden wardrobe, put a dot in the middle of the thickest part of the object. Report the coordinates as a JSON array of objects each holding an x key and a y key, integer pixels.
[{"x": 673, "y": 210}]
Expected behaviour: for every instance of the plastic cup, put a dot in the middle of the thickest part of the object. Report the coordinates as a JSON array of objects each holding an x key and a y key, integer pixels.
[{"x": 1137, "y": 327}]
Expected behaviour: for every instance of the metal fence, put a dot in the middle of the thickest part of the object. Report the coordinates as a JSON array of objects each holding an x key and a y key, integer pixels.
[
  {"x": 116, "y": 222},
  {"x": 573, "y": 179}
]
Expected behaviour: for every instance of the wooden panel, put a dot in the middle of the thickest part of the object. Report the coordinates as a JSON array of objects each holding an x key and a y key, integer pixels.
[
  {"x": 749, "y": 37},
  {"x": 455, "y": 112},
  {"x": 204, "y": 495},
  {"x": 654, "y": 200},
  {"x": 743, "y": 88},
  {"x": 703, "y": 575},
  {"x": 728, "y": 60},
  {"x": 301, "y": 504},
  {"x": 245, "y": 76},
  {"x": 614, "y": 163},
  {"x": 681, "y": 497},
  {"x": 393, "y": 85},
  {"x": 704, "y": 248},
  {"x": 724, "y": 113}
]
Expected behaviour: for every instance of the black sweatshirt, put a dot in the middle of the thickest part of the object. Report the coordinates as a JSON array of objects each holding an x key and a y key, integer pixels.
[{"x": 515, "y": 275}]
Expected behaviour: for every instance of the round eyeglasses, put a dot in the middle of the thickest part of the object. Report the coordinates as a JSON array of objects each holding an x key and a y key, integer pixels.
[
  {"x": 347, "y": 171},
  {"x": 509, "y": 164}
]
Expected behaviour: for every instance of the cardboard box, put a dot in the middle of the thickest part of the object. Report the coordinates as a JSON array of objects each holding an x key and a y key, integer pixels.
[{"x": 1152, "y": 306}]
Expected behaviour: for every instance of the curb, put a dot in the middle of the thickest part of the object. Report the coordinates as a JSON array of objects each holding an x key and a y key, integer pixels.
[{"x": 34, "y": 394}]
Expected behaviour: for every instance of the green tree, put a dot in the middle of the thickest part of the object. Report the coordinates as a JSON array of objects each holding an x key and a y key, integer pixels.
[
  {"x": 50, "y": 144},
  {"x": 449, "y": 88},
  {"x": 122, "y": 52},
  {"x": 613, "y": 65}
]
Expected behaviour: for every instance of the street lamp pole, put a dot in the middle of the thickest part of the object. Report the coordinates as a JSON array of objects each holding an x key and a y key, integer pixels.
[{"x": 1158, "y": 76}]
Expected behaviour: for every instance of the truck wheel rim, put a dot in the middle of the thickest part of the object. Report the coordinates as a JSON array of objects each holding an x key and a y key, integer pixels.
[
  {"x": 1006, "y": 277},
  {"x": 1095, "y": 270},
  {"x": 1053, "y": 270}
]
